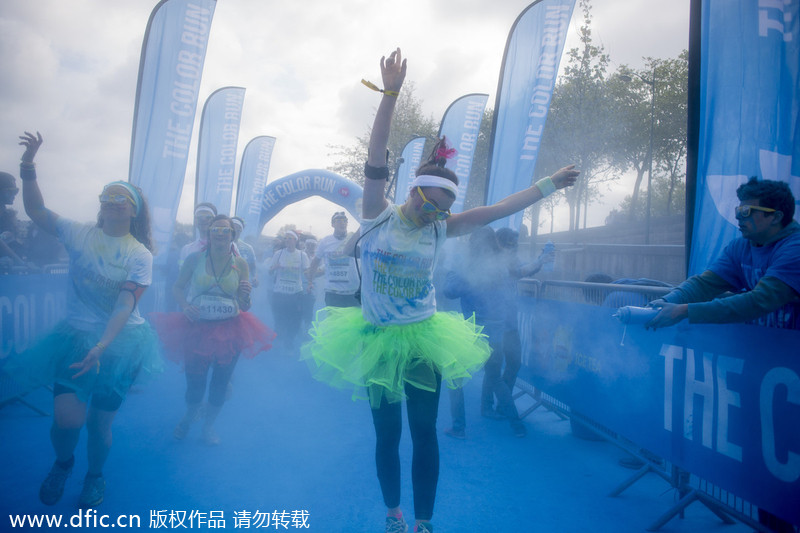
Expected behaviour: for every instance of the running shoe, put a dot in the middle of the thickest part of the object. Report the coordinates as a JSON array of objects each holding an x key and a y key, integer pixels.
[
  {"x": 424, "y": 527},
  {"x": 53, "y": 485},
  {"x": 181, "y": 430},
  {"x": 210, "y": 436},
  {"x": 492, "y": 414},
  {"x": 455, "y": 433},
  {"x": 396, "y": 525},
  {"x": 518, "y": 428},
  {"x": 94, "y": 488}
]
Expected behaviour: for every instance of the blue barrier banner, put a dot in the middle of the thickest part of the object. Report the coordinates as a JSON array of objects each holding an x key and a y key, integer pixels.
[
  {"x": 30, "y": 304},
  {"x": 313, "y": 182},
  {"x": 461, "y": 125},
  {"x": 530, "y": 65},
  {"x": 406, "y": 172},
  {"x": 253, "y": 172},
  {"x": 170, "y": 69},
  {"x": 720, "y": 401},
  {"x": 749, "y": 111},
  {"x": 216, "y": 148}
]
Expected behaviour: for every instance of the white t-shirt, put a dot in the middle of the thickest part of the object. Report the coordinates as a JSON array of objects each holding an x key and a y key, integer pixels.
[
  {"x": 98, "y": 266},
  {"x": 197, "y": 245},
  {"x": 289, "y": 274},
  {"x": 397, "y": 262},
  {"x": 340, "y": 267}
]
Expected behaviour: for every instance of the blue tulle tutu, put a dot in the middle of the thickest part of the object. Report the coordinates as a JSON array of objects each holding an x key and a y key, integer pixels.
[{"x": 134, "y": 354}]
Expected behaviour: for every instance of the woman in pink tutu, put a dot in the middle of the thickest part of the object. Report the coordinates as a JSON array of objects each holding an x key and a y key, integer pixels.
[{"x": 214, "y": 329}]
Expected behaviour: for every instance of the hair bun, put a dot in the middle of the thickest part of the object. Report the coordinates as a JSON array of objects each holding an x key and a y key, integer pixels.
[{"x": 441, "y": 153}]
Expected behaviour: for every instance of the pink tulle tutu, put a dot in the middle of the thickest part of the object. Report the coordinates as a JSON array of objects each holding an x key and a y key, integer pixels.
[{"x": 217, "y": 341}]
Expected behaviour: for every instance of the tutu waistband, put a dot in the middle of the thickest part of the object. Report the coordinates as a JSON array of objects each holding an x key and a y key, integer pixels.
[{"x": 377, "y": 361}]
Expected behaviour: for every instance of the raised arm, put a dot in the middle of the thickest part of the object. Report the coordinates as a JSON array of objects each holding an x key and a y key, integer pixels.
[
  {"x": 31, "y": 195},
  {"x": 465, "y": 222},
  {"x": 393, "y": 72}
]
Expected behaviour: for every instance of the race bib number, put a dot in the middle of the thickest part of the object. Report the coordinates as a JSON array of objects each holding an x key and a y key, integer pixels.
[
  {"x": 339, "y": 272},
  {"x": 216, "y": 307}
]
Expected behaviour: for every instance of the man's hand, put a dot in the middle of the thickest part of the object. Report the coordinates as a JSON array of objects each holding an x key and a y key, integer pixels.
[{"x": 669, "y": 315}]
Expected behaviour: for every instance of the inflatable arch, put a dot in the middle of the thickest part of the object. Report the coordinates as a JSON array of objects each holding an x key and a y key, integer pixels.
[{"x": 312, "y": 182}]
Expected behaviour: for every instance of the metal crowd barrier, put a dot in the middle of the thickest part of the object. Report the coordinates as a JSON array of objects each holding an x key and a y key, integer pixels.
[
  {"x": 689, "y": 487},
  {"x": 30, "y": 304}
]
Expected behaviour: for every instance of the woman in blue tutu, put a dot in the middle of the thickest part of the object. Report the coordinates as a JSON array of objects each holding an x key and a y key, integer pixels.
[
  {"x": 94, "y": 355},
  {"x": 397, "y": 347},
  {"x": 214, "y": 329}
]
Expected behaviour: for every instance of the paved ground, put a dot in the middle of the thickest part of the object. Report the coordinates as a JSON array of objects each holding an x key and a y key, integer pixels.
[{"x": 290, "y": 443}]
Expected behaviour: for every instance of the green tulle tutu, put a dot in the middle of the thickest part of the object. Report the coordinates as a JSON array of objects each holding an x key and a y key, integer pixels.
[
  {"x": 378, "y": 361},
  {"x": 133, "y": 355}
]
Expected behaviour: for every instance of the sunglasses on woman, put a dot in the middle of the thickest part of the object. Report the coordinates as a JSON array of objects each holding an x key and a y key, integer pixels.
[
  {"x": 430, "y": 207},
  {"x": 117, "y": 199}
]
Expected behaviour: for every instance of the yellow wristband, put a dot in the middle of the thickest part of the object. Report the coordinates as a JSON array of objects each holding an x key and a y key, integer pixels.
[
  {"x": 101, "y": 346},
  {"x": 378, "y": 89}
]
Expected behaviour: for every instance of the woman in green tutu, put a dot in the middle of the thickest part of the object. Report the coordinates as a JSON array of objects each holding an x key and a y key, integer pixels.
[
  {"x": 93, "y": 356},
  {"x": 397, "y": 347}
]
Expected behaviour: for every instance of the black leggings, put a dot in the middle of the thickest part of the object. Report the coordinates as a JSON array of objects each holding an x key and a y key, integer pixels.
[
  {"x": 197, "y": 376},
  {"x": 423, "y": 408}
]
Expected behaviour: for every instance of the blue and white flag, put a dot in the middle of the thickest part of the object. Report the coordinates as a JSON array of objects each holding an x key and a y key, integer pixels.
[
  {"x": 530, "y": 66},
  {"x": 749, "y": 112},
  {"x": 312, "y": 182},
  {"x": 216, "y": 148},
  {"x": 170, "y": 69},
  {"x": 461, "y": 125},
  {"x": 412, "y": 157},
  {"x": 253, "y": 174}
]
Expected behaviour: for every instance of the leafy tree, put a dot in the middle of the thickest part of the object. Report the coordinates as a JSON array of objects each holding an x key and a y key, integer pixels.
[
  {"x": 579, "y": 127},
  {"x": 656, "y": 97},
  {"x": 670, "y": 154},
  {"x": 667, "y": 199}
]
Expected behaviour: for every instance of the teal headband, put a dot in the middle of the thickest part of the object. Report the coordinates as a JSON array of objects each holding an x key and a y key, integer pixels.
[{"x": 137, "y": 198}]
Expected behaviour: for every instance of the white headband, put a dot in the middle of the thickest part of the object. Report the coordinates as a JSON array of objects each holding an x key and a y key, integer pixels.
[
  {"x": 238, "y": 223},
  {"x": 426, "y": 180},
  {"x": 204, "y": 208},
  {"x": 291, "y": 233}
]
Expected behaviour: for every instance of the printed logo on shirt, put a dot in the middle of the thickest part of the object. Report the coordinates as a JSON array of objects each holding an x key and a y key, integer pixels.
[{"x": 400, "y": 276}]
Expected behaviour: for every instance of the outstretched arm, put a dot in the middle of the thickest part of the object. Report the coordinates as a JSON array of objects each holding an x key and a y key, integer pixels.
[
  {"x": 123, "y": 308},
  {"x": 465, "y": 222},
  {"x": 768, "y": 295},
  {"x": 31, "y": 195},
  {"x": 393, "y": 72}
]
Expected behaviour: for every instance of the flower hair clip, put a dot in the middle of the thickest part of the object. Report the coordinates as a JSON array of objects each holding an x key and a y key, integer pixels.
[
  {"x": 444, "y": 151},
  {"x": 441, "y": 152}
]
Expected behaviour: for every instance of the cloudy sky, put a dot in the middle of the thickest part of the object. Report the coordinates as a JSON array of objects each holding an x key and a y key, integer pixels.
[{"x": 69, "y": 70}]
